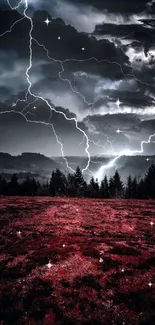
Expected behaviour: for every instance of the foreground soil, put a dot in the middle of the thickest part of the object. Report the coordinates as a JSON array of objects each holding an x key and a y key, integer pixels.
[{"x": 77, "y": 261}]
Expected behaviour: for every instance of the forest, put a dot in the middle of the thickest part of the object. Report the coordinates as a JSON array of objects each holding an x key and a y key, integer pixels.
[{"x": 74, "y": 185}]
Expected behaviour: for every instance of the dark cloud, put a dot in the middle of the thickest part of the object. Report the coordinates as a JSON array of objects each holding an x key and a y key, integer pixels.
[
  {"x": 119, "y": 6},
  {"x": 33, "y": 133},
  {"x": 140, "y": 33},
  {"x": 132, "y": 130},
  {"x": 96, "y": 72}
]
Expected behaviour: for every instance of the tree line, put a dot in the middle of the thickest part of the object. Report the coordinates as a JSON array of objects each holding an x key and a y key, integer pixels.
[{"x": 74, "y": 185}]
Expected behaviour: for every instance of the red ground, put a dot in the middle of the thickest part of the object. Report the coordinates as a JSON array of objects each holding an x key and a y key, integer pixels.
[{"x": 89, "y": 243}]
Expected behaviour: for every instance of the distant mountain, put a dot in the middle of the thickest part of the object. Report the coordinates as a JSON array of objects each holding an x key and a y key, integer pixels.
[
  {"x": 41, "y": 166},
  {"x": 33, "y": 163}
]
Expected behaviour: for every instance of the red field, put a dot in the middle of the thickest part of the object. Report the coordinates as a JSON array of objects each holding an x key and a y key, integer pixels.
[{"x": 77, "y": 261}]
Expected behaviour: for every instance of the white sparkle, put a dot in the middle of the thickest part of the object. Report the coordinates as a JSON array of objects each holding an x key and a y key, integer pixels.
[
  {"x": 151, "y": 223},
  {"x": 49, "y": 265},
  {"x": 47, "y": 21},
  {"x": 101, "y": 260},
  {"x": 118, "y": 131},
  {"x": 59, "y": 37},
  {"x": 83, "y": 49},
  {"x": 118, "y": 102},
  {"x": 122, "y": 270},
  {"x": 150, "y": 284},
  {"x": 34, "y": 107},
  {"x": 147, "y": 159},
  {"x": 63, "y": 245},
  {"x": 19, "y": 232}
]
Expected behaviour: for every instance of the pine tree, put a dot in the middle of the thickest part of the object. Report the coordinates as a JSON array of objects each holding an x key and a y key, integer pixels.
[
  {"x": 111, "y": 187},
  {"x": 106, "y": 187},
  {"x": 150, "y": 182},
  {"x": 4, "y": 187},
  {"x": 118, "y": 185},
  {"x": 93, "y": 188},
  {"x": 79, "y": 182},
  {"x": 102, "y": 190},
  {"x": 71, "y": 187},
  {"x": 128, "y": 192},
  {"x": 58, "y": 183},
  {"x": 1, "y": 185},
  {"x": 135, "y": 188},
  {"x": 141, "y": 190},
  {"x": 26, "y": 187},
  {"x": 13, "y": 185},
  {"x": 34, "y": 186}
]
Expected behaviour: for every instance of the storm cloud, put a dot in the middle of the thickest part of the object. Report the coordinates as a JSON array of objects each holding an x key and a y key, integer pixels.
[{"x": 99, "y": 70}]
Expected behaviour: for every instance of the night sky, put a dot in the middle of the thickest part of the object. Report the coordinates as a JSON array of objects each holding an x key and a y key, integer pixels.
[{"x": 92, "y": 61}]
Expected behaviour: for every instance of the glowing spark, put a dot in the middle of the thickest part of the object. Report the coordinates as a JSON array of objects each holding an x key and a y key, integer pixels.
[
  {"x": 118, "y": 131},
  {"x": 28, "y": 105},
  {"x": 122, "y": 270},
  {"x": 150, "y": 284},
  {"x": 63, "y": 245},
  {"x": 59, "y": 37},
  {"x": 151, "y": 223},
  {"x": 83, "y": 49},
  {"x": 47, "y": 21},
  {"x": 49, "y": 265},
  {"x": 118, "y": 102},
  {"x": 101, "y": 260},
  {"x": 147, "y": 159}
]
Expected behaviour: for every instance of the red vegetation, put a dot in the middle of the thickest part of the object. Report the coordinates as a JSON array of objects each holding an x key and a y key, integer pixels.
[{"x": 76, "y": 261}]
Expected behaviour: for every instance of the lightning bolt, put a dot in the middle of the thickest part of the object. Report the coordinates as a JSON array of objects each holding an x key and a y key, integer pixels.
[
  {"x": 29, "y": 91},
  {"x": 63, "y": 70},
  {"x": 16, "y": 7},
  {"x": 28, "y": 105},
  {"x": 83, "y": 61},
  {"x": 10, "y": 30},
  {"x": 43, "y": 123},
  {"x": 91, "y": 104},
  {"x": 100, "y": 172},
  {"x": 62, "y": 152}
]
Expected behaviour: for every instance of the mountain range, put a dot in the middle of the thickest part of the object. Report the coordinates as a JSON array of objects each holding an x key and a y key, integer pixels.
[{"x": 41, "y": 167}]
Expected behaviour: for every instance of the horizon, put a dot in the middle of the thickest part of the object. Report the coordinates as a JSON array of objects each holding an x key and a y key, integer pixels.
[{"x": 85, "y": 157}]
